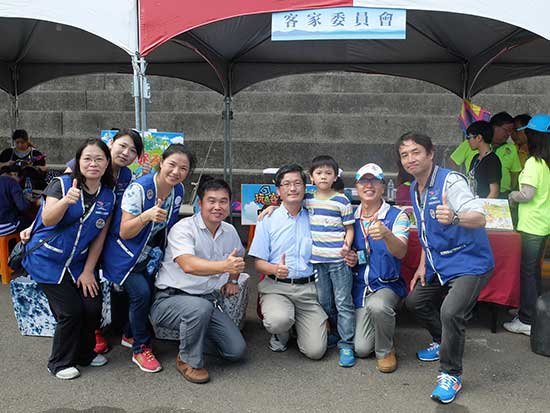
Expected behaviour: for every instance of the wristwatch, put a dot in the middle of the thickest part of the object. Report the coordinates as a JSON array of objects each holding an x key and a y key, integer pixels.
[
  {"x": 456, "y": 219},
  {"x": 235, "y": 282}
]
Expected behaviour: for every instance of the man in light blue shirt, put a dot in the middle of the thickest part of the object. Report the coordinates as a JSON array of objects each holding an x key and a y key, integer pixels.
[{"x": 282, "y": 248}]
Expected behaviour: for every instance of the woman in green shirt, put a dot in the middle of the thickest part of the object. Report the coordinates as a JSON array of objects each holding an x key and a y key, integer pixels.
[{"x": 533, "y": 224}]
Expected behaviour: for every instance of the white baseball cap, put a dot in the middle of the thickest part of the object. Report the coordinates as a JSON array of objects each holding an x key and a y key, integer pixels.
[{"x": 370, "y": 168}]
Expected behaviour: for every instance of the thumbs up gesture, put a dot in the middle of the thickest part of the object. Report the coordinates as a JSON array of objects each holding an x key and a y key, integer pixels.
[
  {"x": 281, "y": 270},
  {"x": 73, "y": 195},
  {"x": 233, "y": 263},
  {"x": 443, "y": 212},
  {"x": 157, "y": 214},
  {"x": 378, "y": 231}
]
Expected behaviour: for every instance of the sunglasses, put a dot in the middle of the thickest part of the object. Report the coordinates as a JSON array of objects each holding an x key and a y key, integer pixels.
[{"x": 470, "y": 136}]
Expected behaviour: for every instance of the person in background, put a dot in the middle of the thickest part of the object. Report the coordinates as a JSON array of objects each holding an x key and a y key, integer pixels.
[
  {"x": 503, "y": 127},
  {"x": 485, "y": 170},
  {"x": 456, "y": 260},
  {"x": 23, "y": 154},
  {"x": 136, "y": 241},
  {"x": 462, "y": 156},
  {"x": 533, "y": 198},
  {"x": 13, "y": 203},
  {"x": 403, "y": 193},
  {"x": 74, "y": 219},
  {"x": 519, "y": 137}
]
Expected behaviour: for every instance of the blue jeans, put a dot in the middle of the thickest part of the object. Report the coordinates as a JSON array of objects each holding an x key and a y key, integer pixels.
[
  {"x": 139, "y": 287},
  {"x": 334, "y": 282}
]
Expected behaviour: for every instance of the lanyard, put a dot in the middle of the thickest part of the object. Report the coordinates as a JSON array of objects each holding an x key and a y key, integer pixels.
[{"x": 365, "y": 223}]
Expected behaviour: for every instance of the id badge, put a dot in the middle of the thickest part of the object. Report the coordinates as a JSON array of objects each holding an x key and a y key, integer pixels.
[{"x": 362, "y": 257}]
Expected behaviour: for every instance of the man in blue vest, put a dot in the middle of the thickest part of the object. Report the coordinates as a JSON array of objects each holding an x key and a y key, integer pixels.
[{"x": 456, "y": 258}]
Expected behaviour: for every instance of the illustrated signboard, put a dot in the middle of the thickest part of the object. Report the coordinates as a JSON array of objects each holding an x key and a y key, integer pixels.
[
  {"x": 256, "y": 197},
  {"x": 497, "y": 214},
  {"x": 339, "y": 23},
  {"x": 154, "y": 144}
]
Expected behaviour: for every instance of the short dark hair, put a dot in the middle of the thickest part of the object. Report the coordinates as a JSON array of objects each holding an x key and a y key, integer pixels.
[
  {"x": 501, "y": 118},
  {"x": 213, "y": 184},
  {"x": 19, "y": 134},
  {"x": 181, "y": 148},
  {"x": 538, "y": 144},
  {"x": 285, "y": 169},
  {"x": 324, "y": 160},
  {"x": 482, "y": 128},
  {"x": 134, "y": 135},
  {"x": 107, "y": 179},
  {"x": 423, "y": 140},
  {"x": 523, "y": 119}
]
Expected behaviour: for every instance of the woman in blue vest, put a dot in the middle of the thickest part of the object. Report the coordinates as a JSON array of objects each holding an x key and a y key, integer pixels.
[
  {"x": 125, "y": 147},
  {"x": 380, "y": 241},
  {"x": 136, "y": 241},
  {"x": 73, "y": 219}
]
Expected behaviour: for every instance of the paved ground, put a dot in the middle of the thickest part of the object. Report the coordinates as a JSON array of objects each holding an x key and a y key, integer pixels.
[{"x": 501, "y": 374}]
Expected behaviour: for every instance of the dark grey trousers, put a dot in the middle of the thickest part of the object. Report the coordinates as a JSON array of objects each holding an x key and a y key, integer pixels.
[{"x": 447, "y": 323}]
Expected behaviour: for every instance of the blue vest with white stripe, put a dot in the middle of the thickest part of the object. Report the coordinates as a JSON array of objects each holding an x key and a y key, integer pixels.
[
  {"x": 451, "y": 250},
  {"x": 69, "y": 249},
  {"x": 123, "y": 179},
  {"x": 120, "y": 255},
  {"x": 383, "y": 271}
]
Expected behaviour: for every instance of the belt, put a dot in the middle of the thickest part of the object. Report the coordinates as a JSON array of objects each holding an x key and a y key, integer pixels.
[{"x": 303, "y": 280}]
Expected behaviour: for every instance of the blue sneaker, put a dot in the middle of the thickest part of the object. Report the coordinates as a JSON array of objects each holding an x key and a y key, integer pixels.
[
  {"x": 347, "y": 358},
  {"x": 429, "y": 354},
  {"x": 447, "y": 388}
]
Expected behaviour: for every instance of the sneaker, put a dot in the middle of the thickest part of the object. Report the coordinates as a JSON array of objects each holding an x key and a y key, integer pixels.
[
  {"x": 68, "y": 373},
  {"x": 347, "y": 358},
  {"x": 192, "y": 374},
  {"x": 101, "y": 345},
  {"x": 278, "y": 342},
  {"x": 127, "y": 342},
  {"x": 387, "y": 364},
  {"x": 517, "y": 326},
  {"x": 447, "y": 388},
  {"x": 146, "y": 360},
  {"x": 99, "y": 361},
  {"x": 429, "y": 354}
]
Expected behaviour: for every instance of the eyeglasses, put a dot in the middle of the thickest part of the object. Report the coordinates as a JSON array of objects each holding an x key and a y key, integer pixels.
[
  {"x": 372, "y": 181},
  {"x": 470, "y": 136},
  {"x": 94, "y": 160},
  {"x": 296, "y": 184}
]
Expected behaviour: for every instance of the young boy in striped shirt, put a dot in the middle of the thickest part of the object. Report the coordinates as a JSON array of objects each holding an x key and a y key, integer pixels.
[{"x": 331, "y": 221}]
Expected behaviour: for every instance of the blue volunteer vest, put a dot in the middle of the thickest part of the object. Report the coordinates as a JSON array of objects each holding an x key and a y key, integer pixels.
[
  {"x": 69, "y": 249},
  {"x": 120, "y": 255},
  {"x": 383, "y": 271},
  {"x": 123, "y": 179},
  {"x": 451, "y": 250}
]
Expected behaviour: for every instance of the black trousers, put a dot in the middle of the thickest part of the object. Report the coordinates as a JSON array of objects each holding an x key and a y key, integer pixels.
[{"x": 77, "y": 318}]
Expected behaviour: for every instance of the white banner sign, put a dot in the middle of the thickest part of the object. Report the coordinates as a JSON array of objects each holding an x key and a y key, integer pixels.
[{"x": 339, "y": 23}]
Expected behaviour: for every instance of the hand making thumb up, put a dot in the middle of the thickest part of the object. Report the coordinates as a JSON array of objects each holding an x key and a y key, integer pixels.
[
  {"x": 234, "y": 263},
  {"x": 73, "y": 195},
  {"x": 282, "y": 270},
  {"x": 443, "y": 212}
]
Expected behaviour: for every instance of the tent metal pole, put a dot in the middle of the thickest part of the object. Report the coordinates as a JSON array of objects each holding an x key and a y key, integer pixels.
[
  {"x": 145, "y": 93},
  {"x": 136, "y": 92},
  {"x": 14, "y": 112},
  {"x": 227, "y": 150}
]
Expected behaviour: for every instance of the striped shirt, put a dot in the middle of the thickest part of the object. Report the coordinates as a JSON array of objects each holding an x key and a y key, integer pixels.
[{"x": 327, "y": 219}]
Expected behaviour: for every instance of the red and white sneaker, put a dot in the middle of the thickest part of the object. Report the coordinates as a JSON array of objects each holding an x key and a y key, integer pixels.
[
  {"x": 146, "y": 360},
  {"x": 101, "y": 345},
  {"x": 127, "y": 342}
]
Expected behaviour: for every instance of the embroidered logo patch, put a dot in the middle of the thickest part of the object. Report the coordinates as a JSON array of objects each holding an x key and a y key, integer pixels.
[
  {"x": 150, "y": 194},
  {"x": 177, "y": 201},
  {"x": 100, "y": 223},
  {"x": 432, "y": 213}
]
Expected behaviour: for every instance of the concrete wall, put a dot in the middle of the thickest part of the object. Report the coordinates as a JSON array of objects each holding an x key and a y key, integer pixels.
[{"x": 353, "y": 117}]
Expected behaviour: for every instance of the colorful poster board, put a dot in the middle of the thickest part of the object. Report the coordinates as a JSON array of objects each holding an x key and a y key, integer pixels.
[
  {"x": 256, "y": 197},
  {"x": 339, "y": 24},
  {"x": 497, "y": 214},
  {"x": 154, "y": 144}
]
